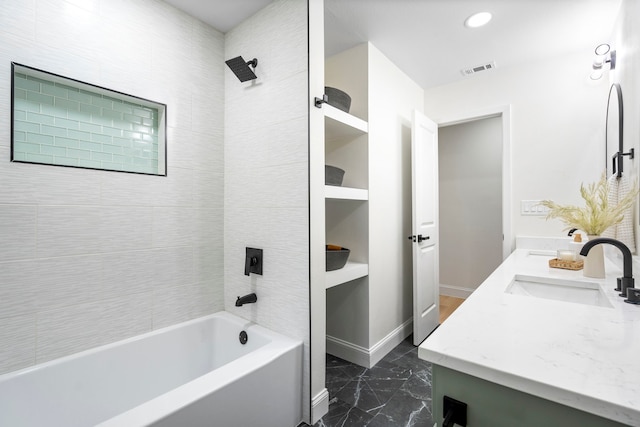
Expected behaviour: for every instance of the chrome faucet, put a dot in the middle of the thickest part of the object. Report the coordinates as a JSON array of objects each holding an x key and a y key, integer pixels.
[{"x": 626, "y": 281}]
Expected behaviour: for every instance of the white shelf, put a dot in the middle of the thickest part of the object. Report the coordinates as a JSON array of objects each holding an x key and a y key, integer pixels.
[
  {"x": 351, "y": 271},
  {"x": 342, "y": 124},
  {"x": 345, "y": 193}
]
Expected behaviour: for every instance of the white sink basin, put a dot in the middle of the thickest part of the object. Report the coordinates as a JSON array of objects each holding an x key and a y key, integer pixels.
[{"x": 574, "y": 291}]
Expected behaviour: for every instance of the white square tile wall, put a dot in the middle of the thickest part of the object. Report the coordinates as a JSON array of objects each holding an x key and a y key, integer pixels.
[{"x": 90, "y": 257}]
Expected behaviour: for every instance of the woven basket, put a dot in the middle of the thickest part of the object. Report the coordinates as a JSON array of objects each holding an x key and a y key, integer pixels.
[{"x": 567, "y": 265}]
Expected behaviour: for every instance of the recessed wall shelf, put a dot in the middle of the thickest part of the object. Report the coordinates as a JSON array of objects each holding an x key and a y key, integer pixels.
[
  {"x": 345, "y": 193},
  {"x": 340, "y": 125},
  {"x": 351, "y": 271},
  {"x": 345, "y": 130},
  {"x": 61, "y": 121}
]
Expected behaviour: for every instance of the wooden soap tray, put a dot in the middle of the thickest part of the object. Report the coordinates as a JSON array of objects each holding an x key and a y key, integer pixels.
[{"x": 567, "y": 265}]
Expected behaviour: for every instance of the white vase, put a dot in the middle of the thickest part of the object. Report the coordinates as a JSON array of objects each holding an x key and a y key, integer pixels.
[{"x": 594, "y": 261}]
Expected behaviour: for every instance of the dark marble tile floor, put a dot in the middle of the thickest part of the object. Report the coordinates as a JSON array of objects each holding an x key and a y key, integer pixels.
[{"x": 395, "y": 392}]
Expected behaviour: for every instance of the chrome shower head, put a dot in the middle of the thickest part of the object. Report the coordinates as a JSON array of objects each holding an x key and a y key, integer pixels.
[{"x": 241, "y": 68}]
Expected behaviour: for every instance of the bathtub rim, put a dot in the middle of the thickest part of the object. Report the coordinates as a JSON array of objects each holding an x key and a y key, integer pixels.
[
  {"x": 179, "y": 397},
  {"x": 244, "y": 323},
  {"x": 182, "y": 396}
]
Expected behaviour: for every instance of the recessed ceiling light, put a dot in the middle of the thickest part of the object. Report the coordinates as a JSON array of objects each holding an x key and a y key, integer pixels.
[{"x": 477, "y": 20}]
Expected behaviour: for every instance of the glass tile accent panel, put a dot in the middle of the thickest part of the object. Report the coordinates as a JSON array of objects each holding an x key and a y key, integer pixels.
[{"x": 64, "y": 122}]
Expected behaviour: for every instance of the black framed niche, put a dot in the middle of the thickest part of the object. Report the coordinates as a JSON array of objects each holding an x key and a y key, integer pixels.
[{"x": 61, "y": 121}]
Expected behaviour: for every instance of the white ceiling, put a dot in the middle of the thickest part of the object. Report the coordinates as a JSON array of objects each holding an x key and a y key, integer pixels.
[
  {"x": 222, "y": 15},
  {"x": 427, "y": 38}
]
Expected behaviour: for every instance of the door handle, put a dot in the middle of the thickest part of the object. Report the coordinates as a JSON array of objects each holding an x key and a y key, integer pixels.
[{"x": 420, "y": 238}]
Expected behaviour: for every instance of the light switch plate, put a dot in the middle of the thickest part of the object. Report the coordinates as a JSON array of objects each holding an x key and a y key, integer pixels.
[{"x": 533, "y": 208}]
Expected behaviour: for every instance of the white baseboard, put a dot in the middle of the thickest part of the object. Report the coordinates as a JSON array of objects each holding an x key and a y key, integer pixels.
[
  {"x": 319, "y": 406},
  {"x": 348, "y": 351},
  {"x": 388, "y": 343},
  {"x": 455, "y": 291},
  {"x": 368, "y": 357}
]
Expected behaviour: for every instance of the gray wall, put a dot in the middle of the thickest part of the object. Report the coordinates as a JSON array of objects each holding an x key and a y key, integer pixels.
[
  {"x": 91, "y": 257},
  {"x": 470, "y": 174},
  {"x": 557, "y": 120}
]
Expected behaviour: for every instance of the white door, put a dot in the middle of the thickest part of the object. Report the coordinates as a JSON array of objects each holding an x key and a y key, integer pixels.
[{"x": 424, "y": 179}]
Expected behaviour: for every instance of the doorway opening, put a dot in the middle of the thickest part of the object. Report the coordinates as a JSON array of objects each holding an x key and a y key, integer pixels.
[{"x": 474, "y": 199}]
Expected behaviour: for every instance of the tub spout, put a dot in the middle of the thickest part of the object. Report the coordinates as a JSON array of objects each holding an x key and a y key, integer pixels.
[{"x": 247, "y": 299}]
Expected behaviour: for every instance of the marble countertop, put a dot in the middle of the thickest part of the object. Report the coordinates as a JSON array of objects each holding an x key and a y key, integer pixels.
[{"x": 582, "y": 356}]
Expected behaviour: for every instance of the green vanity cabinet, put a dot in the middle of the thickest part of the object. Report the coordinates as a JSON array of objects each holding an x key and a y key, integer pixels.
[{"x": 493, "y": 405}]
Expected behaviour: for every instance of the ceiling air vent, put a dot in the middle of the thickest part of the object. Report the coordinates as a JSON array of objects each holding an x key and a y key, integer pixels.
[{"x": 479, "y": 68}]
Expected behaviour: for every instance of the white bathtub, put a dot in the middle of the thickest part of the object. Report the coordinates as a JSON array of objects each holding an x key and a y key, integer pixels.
[{"x": 193, "y": 374}]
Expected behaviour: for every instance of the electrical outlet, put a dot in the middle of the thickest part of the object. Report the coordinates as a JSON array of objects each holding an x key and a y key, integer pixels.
[{"x": 455, "y": 412}]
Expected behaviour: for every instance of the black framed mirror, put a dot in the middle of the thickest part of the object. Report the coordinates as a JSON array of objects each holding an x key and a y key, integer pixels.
[{"x": 614, "y": 147}]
